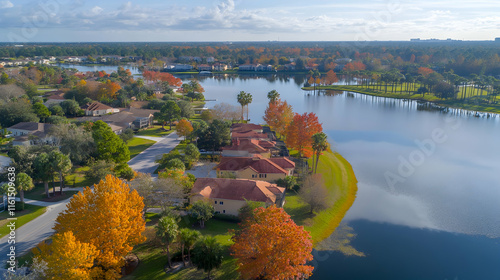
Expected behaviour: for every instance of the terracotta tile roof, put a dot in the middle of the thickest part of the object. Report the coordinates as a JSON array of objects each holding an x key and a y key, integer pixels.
[
  {"x": 249, "y": 134},
  {"x": 239, "y": 127},
  {"x": 251, "y": 145},
  {"x": 258, "y": 164},
  {"x": 237, "y": 189},
  {"x": 95, "y": 106}
]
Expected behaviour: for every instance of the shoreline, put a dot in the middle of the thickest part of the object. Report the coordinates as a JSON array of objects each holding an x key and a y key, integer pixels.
[{"x": 435, "y": 100}]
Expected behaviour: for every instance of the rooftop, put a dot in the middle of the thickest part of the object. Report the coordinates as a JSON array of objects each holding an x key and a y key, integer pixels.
[{"x": 257, "y": 163}]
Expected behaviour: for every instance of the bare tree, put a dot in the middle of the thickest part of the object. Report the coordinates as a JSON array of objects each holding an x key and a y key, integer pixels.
[
  {"x": 314, "y": 193},
  {"x": 8, "y": 92},
  {"x": 226, "y": 112}
]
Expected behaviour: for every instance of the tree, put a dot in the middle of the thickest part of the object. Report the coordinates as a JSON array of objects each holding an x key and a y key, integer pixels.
[
  {"x": 186, "y": 109},
  {"x": 288, "y": 182},
  {"x": 216, "y": 136},
  {"x": 273, "y": 95},
  {"x": 108, "y": 90},
  {"x": 176, "y": 164},
  {"x": 56, "y": 110},
  {"x": 278, "y": 116},
  {"x": 272, "y": 246},
  {"x": 331, "y": 77},
  {"x": 41, "y": 111},
  {"x": 208, "y": 254},
  {"x": 314, "y": 193},
  {"x": 115, "y": 214},
  {"x": 70, "y": 107},
  {"x": 184, "y": 128},
  {"x": 144, "y": 185},
  {"x": 247, "y": 210},
  {"x": 98, "y": 170},
  {"x": 109, "y": 146},
  {"x": 43, "y": 170},
  {"x": 191, "y": 152},
  {"x": 127, "y": 135},
  {"x": 60, "y": 163},
  {"x": 225, "y": 112},
  {"x": 244, "y": 98},
  {"x": 168, "y": 113},
  {"x": 167, "y": 229},
  {"x": 74, "y": 141},
  {"x": 66, "y": 257},
  {"x": 202, "y": 211},
  {"x": 319, "y": 145},
  {"x": 445, "y": 90},
  {"x": 188, "y": 238},
  {"x": 23, "y": 183},
  {"x": 14, "y": 112},
  {"x": 299, "y": 133}
]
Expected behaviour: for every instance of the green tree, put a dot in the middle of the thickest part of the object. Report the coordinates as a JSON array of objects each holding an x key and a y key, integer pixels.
[
  {"x": 109, "y": 145},
  {"x": 319, "y": 145},
  {"x": 208, "y": 254},
  {"x": 191, "y": 152},
  {"x": 98, "y": 170},
  {"x": 176, "y": 164},
  {"x": 43, "y": 171},
  {"x": 41, "y": 111},
  {"x": 56, "y": 110},
  {"x": 74, "y": 141},
  {"x": 57, "y": 120},
  {"x": 273, "y": 95},
  {"x": 288, "y": 182},
  {"x": 60, "y": 163},
  {"x": 127, "y": 135},
  {"x": 187, "y": 110},
  {"x": 202, "y": 211},
  {"x": 168, "y": 113},
  {"x": 23, "y": 183},
  {"x": 216, "y": 136},
  {"x": 167, "y": 229},
  {"x": 188, "y": 238},
  {"x": 244, "y": 98},
  {"x": 246, "y": 211},
  {"x": 70, "y": 107},
  {"x": 14, "y": 112}
]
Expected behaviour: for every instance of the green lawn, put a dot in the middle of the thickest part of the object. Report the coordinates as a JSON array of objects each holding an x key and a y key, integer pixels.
[
  {"x": 153, "y": 260},
  {"x": 29, "y": 213},
  {"x": 38, "y": 193},
  {"x": 341, "y": 183},
  {"x": 156, "y": 131},
  {"x": 136, "y": 145}
]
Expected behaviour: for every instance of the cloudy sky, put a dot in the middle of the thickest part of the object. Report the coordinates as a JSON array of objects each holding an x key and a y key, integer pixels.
[{"x": 246, "y": 20}]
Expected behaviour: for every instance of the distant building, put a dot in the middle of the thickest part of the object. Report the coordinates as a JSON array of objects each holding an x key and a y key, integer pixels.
[
  {"x": 220, "y": 67},
  {"x": 179, "y": 67},
  {"x": 205, "y": 67},
  {"x": 255, "y": 67},
  {"x": 258, "y": 168},
  {"x": 31, "y": 133},
  {"x": 99, "y": 109}
]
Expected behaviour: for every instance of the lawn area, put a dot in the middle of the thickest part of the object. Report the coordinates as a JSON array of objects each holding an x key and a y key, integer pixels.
[
  {"x": 153, "y": 260},
  {"x": 29, "y": 213},
  {"x": 136, "y": 145},
  {"x": 156, "y": 131},
  {"x": 38, "y": 193},
  {"x": 341, "y": 183}
]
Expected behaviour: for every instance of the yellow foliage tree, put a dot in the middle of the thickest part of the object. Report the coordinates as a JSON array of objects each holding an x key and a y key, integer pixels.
[
  {"x": 66, "y": 257},
  {"x": 110, "y": 218}
]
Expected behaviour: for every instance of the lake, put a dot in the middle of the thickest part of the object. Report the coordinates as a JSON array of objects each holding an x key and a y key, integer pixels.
[{"x": 429, "y": 181}]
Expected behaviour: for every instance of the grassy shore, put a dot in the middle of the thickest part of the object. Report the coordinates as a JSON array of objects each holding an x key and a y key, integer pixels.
[
  {"x": 473, "y": 103},
  {"x": 341, "y": 184}
]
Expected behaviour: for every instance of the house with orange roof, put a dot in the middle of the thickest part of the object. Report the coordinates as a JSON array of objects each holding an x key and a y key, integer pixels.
[
  {"x": 242, "y": 127},
  {"x": 248, "y": 148},
  {"x": 229, "y": 195},
  {"x": 265, "y": 169}
]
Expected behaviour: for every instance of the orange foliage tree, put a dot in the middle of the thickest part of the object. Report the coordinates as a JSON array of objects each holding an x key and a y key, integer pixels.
[
  {"x": 155, "y": 76},
  {"x": 110, "y": 218},
  {"x": 271, "y": 246},
  {"x": 66, "y": 257},
  {"x": 331, "y": 77},
  {"x": 278, "y": 116},
  {"x": 354, "y": 66},
  {"x": 184, "y": 128},
  {"x": 424, "y": 71},
  {"x": 108, "y": 90},
  {"x": 299, "y": 133}
]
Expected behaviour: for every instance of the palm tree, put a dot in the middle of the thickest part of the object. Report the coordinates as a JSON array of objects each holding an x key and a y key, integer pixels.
[
  {"x": 320, "y": 144},
  {"x": 167, "y": 230},
  {"x": 244, "y": 98},
  {"x": 207, "y": 254},
  {"x": 60, "y": 163},
  {"x": 188, "y": 239},
  {"x": 23, "y": 183},
  {"x": 43, "y": 170},
  {"x": 273, "y": 95}
]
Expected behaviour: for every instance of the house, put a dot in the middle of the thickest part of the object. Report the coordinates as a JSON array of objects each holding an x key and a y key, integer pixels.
[
  {"x": 248, "y": 67},
  {"x": 265, "y": 169},
  {"x": 220, "y": 67},
  {"x": 31, "y": 133},
  {"x": 248, "y": 148},
  {"x": 250, "y": 134},
  {"x": 179, "y": 67},
  {"x": 205, "y": 67},
  {"x": 229, "y": 195},
  {"x": 131, "y": 118},
  {"x": 99, "y": 109},
  {"x": 241, "y": 127},
  {"x": 55, "y": 98}
]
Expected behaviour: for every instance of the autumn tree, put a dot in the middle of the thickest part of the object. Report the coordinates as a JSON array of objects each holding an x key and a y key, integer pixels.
[
  {"x": 424, "y": 71},
  {"x": 66, "y": 257},
  {"x": 319, "y": 145},
  {"x": 271, "y": 246},
  {"x": 331, "y": 77},
  {"x": 278, "y": 116},
  {"x": 108, "y": 90},
  {"x": 299, "y": 133},
  {"x": 184, "y": 128},
  {"x": 244, "y": 98},
  {"x": 114, "y": 214},
  {"x": 314, "y": 192}
]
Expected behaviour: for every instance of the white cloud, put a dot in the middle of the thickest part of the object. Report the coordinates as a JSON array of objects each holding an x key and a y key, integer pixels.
[{"x": 6, "y": 4}]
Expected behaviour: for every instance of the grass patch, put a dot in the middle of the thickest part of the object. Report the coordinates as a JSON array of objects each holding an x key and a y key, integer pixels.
[
  {"x": 341, "y": 184},
  {"x": 155, "y": 131},
  {"x": 29, "y": 213},
  {"x": 136, "y": 145},
  {"x": 38, "y": 193}
]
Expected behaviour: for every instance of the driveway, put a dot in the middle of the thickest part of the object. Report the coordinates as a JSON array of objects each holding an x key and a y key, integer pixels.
[{"x": 145, "y": 161}]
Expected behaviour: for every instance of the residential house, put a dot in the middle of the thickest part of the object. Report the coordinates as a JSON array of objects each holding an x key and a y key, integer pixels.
[
  {"x": 229, "y": 195},
  {"x": 99, "y": 109},
  {"x": 248, "y": 148},
  {"x": 241, "y": 127},
  {"x": 134, "y": 118},
  {"x": 179, "y": 67},
  {"x": 250, "y": 134},
  {"x": 248, "y": 67},
  {"x": 205, "y": 67},
  {"x": 54, "y": 97},
  {"x": 258, "y": 168},
  {"x": 31, "y": 133},
  {"x": 220, "y": 67}
]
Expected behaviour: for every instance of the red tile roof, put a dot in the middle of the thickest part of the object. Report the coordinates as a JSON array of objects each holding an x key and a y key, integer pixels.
[
  {"x": 251, "y": 145},
  {"x": 55, "y": 97},
  {"x": 239, "y": 127},
  {"x": 258, "y": 164},
  {"x": 249, "y": 134},
  {"x": 237, "y": 189}
]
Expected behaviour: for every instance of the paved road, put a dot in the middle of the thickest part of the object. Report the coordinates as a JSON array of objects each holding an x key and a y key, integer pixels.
[
  {"x": 145, "y": 161},
  {"x": 30, "y": 234},
  {"x": 153, "y": 138}
]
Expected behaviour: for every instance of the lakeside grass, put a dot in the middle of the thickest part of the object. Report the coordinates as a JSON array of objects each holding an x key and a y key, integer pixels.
[
  {"x": 341, "y": 183},
  {"x": 29, "y": 213},
  {"x": 472, "y": 103},
  {"x": 136, "y": 145}
]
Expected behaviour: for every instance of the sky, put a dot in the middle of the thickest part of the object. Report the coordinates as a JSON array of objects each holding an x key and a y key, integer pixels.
[{"x": 246, "y": 20}]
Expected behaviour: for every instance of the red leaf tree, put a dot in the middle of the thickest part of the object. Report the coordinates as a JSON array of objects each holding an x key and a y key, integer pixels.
[
  {"x": 155, "y": 76},
  {"x": 331, "y": 77},
  {"x": 278, "y": 116},
  {"x": 299, "y": 133},
  {"x": 271, "y": 246}
]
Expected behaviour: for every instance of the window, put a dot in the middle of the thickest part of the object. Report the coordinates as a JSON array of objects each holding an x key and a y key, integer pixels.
[
  {"x": 222, "y": 202},
  {"x": 216, "y": 202},
  {"x": 223, "y": 211}
]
